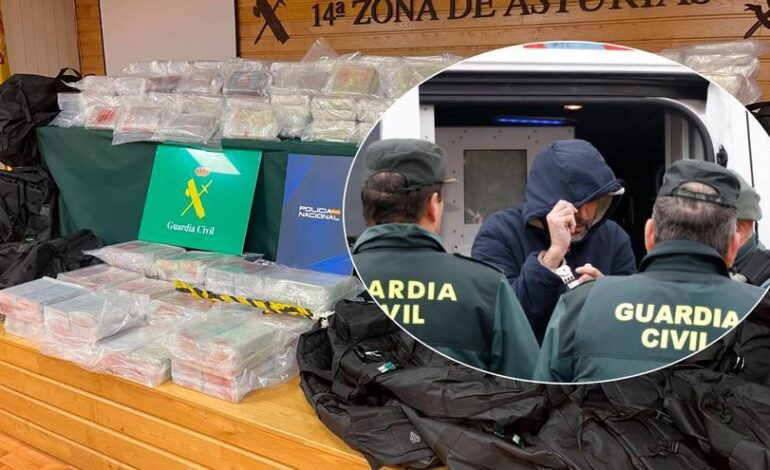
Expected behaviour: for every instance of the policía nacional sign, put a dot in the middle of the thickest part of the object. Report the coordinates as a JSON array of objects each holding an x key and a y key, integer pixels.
[
  {"x": 312, "y": 210},
  {"x": 200, "y": 199}
]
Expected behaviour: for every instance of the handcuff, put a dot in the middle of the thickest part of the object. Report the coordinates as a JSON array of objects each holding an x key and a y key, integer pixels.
[{"x": 563, "y": 271}]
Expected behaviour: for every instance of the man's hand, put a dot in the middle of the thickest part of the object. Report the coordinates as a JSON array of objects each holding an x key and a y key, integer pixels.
[
  {"x": 561, "y": 224},
  {"x": 588, "y": 273}
]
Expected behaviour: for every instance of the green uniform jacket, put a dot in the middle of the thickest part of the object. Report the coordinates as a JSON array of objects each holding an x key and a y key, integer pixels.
[
  {"x": 463, "y": 308},
  {"x": 682, "y": 300}
]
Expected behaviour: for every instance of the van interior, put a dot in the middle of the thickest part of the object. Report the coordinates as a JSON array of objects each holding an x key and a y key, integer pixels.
[{"x": 493, "y": 125}]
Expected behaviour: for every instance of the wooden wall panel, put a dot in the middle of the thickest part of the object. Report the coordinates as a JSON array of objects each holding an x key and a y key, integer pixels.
[
  {"x": 90, "y": 37},
  {"x": 41, "y": 35},
  {"x": 676, "y": 23}
]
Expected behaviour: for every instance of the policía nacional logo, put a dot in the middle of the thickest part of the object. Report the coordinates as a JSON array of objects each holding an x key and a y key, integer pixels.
[
  {"x": 319, "y": 213},
  {"x": 195, "y": 194}
]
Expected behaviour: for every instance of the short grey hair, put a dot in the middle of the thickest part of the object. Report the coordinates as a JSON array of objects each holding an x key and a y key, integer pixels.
[{"x": 678, "y": 218}]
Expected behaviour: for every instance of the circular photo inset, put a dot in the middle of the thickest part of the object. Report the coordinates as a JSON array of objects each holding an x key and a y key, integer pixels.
[{"x": 562, "y": 212}]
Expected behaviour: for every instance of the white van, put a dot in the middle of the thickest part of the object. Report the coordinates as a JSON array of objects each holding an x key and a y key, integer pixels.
[{"x": 494, "y": 112}]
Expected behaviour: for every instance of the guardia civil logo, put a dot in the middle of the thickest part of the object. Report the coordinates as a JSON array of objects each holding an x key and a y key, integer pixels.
[
  {"x": 196, "y": 195},
  {"x": 200, "y": 198}
]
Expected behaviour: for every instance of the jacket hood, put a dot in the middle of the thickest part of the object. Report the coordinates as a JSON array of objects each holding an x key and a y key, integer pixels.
[{"x": 572, "y": 170}]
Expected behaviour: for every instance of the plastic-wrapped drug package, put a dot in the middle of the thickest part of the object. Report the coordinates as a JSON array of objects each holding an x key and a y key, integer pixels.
[
  {"x": 236, "y": 276},
  {"x": 177, "y": 308},
  {"x": 251, "y": 83},
  {"x": 81, "y": 353},
  {"x": 140, "y": 119},
  {"x": 293, "y": 113},
  {"x": 187, "y": 128},
  {"x": 307, "y": 78},
  {"x": 208, "y": 105},
  {"x": 410, "y": 72},
  {"x": 144, "y": 291},
  {"x": 141, "y": 68},
  {"x": 149, "y": 366},
  {"x": 99, "y": 276},
  {"x": 137, "y": 355},
  {"x": 163, "y": 84},
  {"x": 330, "y": 131},
  {"x": 71, "y": 111},
  {"x": 220, "y": 277},
  {"x": 141, "y": 286},
  {"x": 26, "y": 301},
  {"x": 130, "y": 86},
  {"x": 101, "y": 112},
  {"x": 350, "y": 78},
  {"x": 92, "y": 317},
  {"x": 24, "y": 329},
  {"x": 362, "y": 130},
  {"x": 210, "y": 382},
  {"x": 189, "y": 267},
  {"x": 158, "y": 67},
  {"x": 244, "y": 344},
  {"x": 101, "y": 117},
  {"x": 326, "y": 108},
  {"x": 248, "y": 78},
  {"x": 232, "y": 354},
  {"x": 733, "y": 65},
  {"x": 137, "y": 256},
  {"x": 250, "y": 118},
  {"x": 310, "y": 289},
  {"x": 96, "y": 84},
  {"x": 203, "y": 78},
  {"x": 69, "y": 101},
  {"x": 371, "y": 110},
  {"x": 137, "y": 123}
]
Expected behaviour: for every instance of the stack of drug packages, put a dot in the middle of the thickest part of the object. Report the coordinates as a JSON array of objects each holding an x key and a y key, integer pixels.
[
  {"x": 332, "y": 99},
  {"x": 235, "y": 352},
  {"x": 117, "y": 321}
]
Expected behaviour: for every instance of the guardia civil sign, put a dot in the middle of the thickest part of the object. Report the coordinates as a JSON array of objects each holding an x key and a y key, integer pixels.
[{"x": 200, "y": 198}]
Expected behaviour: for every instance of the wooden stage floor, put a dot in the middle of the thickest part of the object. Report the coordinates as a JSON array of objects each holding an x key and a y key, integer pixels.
[{"x": 95, "y": 421}]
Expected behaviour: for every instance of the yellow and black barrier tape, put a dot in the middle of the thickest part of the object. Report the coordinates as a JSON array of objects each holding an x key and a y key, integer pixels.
[{"x": 266, "y": 305}]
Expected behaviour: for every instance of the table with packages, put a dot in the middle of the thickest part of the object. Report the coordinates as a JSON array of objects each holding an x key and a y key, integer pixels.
[
  {"x": 51, "y": 400},
  {"x": 102, "y": 187},
  {"x": 97, "y": 421}
]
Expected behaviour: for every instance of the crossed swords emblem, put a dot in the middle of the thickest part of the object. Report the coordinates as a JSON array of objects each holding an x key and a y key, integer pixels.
[
  {"x": 763, "y": 18},
  {"x": 195, "y": 198},
  {"x": 263, "y": 10}
]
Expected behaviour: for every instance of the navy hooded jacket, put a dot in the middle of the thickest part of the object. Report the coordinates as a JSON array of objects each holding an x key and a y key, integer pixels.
[{"x": 575, "y": 171}]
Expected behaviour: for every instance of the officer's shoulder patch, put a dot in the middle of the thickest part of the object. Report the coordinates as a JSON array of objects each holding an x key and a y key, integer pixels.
[{"x": 483, "y": 263}]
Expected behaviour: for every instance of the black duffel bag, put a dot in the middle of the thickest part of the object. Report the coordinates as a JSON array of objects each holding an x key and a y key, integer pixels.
[
  {"x": 27, "y": 202},
  {"x": 27, "y": 102},
  {"x": 25, "y": 261}
]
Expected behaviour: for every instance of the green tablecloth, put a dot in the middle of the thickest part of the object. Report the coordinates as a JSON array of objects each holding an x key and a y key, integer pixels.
[{"x": 103, "y": 187}]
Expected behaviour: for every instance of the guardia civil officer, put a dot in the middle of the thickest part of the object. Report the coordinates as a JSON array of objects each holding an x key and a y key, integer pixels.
[
  {"x": 465, "y": 309},
  {"x": 752, "y": 264},
  {"x": 681, "y": 300}
]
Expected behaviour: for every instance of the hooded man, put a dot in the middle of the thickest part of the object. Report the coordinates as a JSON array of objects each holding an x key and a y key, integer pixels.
[
  {"x": 561, "y": 226},
  {"x": 462, "y": 307}
]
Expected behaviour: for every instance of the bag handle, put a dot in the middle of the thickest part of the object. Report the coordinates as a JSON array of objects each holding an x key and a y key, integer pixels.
[{"x": 63, "y": 73}]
